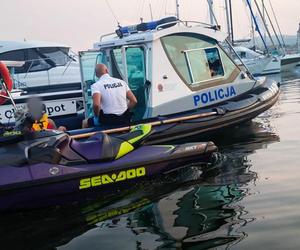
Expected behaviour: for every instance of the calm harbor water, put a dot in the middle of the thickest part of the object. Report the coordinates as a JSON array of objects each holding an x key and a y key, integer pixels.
[{"x": 250, "y": 199}]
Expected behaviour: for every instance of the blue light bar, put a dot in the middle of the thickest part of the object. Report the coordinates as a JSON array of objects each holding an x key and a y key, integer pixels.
[{"x": 127, "y": 30}]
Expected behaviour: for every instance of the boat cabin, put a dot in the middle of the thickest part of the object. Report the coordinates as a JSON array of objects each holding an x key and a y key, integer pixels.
[
  {"x": 171, "y": 67},
  {"x": 45, "y": 63},
  {"x": 245, "y": 53}
]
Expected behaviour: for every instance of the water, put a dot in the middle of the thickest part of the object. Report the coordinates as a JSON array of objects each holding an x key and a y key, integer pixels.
[{"x": 249, "y": 200}]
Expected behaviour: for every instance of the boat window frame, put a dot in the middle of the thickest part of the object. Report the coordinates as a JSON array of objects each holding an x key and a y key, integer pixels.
[
  {"x": 124, "y": 61},
  {"x": 209, "y": 83},
  {"x": 190, "y": 67},
  {"x": 84, "y": 85},
  {"x": 124, "y": 75}
]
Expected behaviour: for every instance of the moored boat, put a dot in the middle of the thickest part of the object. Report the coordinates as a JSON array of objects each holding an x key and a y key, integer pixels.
[
  {"x": 49, "y": 168},
  {"x": 184, "y": 80},
  {"x": 255, "y": 62},
  {"x": 48, "y": 70}
]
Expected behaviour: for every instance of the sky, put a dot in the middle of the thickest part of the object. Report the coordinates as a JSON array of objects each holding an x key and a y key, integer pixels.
[{"x": 80, "y": 23}]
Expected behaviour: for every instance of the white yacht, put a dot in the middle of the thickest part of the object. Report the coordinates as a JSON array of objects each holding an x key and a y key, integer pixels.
[
  {"x": 46, "y": 64},
  {"x": 255, "y": 62},
  {"x": 282, "y": 63},
  {"x": 260, "y": 64},
  {"x": 48, "y": 70}
]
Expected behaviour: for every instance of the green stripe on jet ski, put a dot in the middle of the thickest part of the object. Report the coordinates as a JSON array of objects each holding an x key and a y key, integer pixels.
[{"x": 145, "y": 128}]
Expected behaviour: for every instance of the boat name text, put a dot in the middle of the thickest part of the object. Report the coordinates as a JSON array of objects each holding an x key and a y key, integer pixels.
[
  {"x": 112, "y": 178},
  {"x": 214, "y": 95}
]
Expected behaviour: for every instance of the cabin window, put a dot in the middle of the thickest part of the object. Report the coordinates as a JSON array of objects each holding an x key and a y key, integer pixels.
[
  {"x": 16, "y": 55},
  {"x": 242, "y": 54},
  {"x": 204, "y": 64},
  {"x": 58, "y": 56},
  {"x": 197, "y": 59},
  {"x": 38, "y": 59}
]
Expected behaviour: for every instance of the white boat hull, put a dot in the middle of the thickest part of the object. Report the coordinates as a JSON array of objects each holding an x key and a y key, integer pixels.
[
  {"x": 289, "y": 62},
  {"x": 273, "y": 67},
  {"x": 256, "y": 66},
  {"x": 282, "y": 64}
]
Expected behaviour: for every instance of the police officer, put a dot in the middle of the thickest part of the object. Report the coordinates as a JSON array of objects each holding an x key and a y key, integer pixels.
[{"x": 112, "y": 100}]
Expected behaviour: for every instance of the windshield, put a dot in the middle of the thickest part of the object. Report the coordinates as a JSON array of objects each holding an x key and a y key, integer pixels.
[{"x": 38, "y": 59}]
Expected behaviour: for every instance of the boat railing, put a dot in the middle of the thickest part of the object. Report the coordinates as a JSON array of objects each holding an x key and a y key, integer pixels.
[
  {"x": 187, "y": 23},
  {"x": 106, "y": 35},
  {"x": 190, "y": 23}
]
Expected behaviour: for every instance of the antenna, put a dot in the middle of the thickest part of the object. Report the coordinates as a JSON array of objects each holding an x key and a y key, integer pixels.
[
  {"x": 298, "y": 39},
  {"x": 112, "y": 12},
  {"x": 228, "y": 20},
  {"x": 177, "y": 9},
  {"x": 211, "y": 11},
  {"x": 151, "y": 11}
]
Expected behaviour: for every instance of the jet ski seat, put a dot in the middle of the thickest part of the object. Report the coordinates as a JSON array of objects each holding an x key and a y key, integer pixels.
[{"x": 100, "y": 147}]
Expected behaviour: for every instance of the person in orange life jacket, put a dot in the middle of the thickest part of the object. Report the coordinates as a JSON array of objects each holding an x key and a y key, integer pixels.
[
  {"x": 46, "y": 123},
  {"x": 112, "y": 100}
]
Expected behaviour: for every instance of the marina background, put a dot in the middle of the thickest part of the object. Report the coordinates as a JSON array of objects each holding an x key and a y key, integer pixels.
[
  {"x": 249, "y": 200},
  {"x": 80, "y": 23}
]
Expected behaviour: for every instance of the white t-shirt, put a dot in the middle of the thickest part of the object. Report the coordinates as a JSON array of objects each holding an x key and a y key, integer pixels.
[{"x": 113, "y": 94}]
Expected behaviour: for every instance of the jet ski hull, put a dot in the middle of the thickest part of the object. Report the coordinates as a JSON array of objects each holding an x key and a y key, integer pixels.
[{"x": 45, "y": 184}]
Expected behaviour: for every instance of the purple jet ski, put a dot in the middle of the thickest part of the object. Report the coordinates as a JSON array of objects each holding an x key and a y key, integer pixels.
[{"x": 49, "y": 168}]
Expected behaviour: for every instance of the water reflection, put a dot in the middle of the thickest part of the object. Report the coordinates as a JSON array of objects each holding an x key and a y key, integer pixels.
[
  {"x": 206, "y": 215},
  {"x": 198, "y": 212}
]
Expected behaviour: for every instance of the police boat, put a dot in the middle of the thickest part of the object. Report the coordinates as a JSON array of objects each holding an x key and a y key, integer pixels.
[
  {"x": 183, "y": 78},
  {"x": 48, "y": 167}
]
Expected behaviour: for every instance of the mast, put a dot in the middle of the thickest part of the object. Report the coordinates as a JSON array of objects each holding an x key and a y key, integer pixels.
[
  {"x": 264, "y": 22},
  {"x": 278, "y": 27},
  {"x": 227, "y": 20},
  {"x": 256, "y": 25},
  {"x": 264, "y": 18},
  {"x": 177, "y": 9},
  {"x": 150, "y": 7},
  {"x": 252, "y": 30},
  {"x": 211, "y": 10},
  {"x": 275, "y": 33},
  {"x": 231, "y": 23},
  {"x": 298, "y": 39}
]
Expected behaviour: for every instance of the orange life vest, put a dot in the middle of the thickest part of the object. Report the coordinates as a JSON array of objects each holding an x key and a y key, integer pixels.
[{"x": 42, "y": 124}]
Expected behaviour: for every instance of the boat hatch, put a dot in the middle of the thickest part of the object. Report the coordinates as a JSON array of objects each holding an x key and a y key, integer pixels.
[{"x": 127, "y": 63}]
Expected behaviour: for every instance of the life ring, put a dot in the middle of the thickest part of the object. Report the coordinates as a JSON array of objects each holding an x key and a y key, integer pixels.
[{"x": 5, "y": 75}]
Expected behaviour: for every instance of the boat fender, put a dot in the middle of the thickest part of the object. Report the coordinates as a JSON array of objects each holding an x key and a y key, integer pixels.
[
  {"x": 220, "y": 110},
  {"x": 4, "y": 74}
]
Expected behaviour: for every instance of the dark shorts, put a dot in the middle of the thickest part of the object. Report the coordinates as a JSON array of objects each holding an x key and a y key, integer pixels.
[{"x": 112, "y": 119}]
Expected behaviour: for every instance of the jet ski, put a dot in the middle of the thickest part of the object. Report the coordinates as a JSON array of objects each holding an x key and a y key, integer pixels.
[{"x": 48, "y": 167}]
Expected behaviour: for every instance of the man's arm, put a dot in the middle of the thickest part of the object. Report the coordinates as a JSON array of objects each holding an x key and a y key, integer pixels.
[
  {"x": 132, "y": 100},
  {"x": 96, "y": 103}
]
